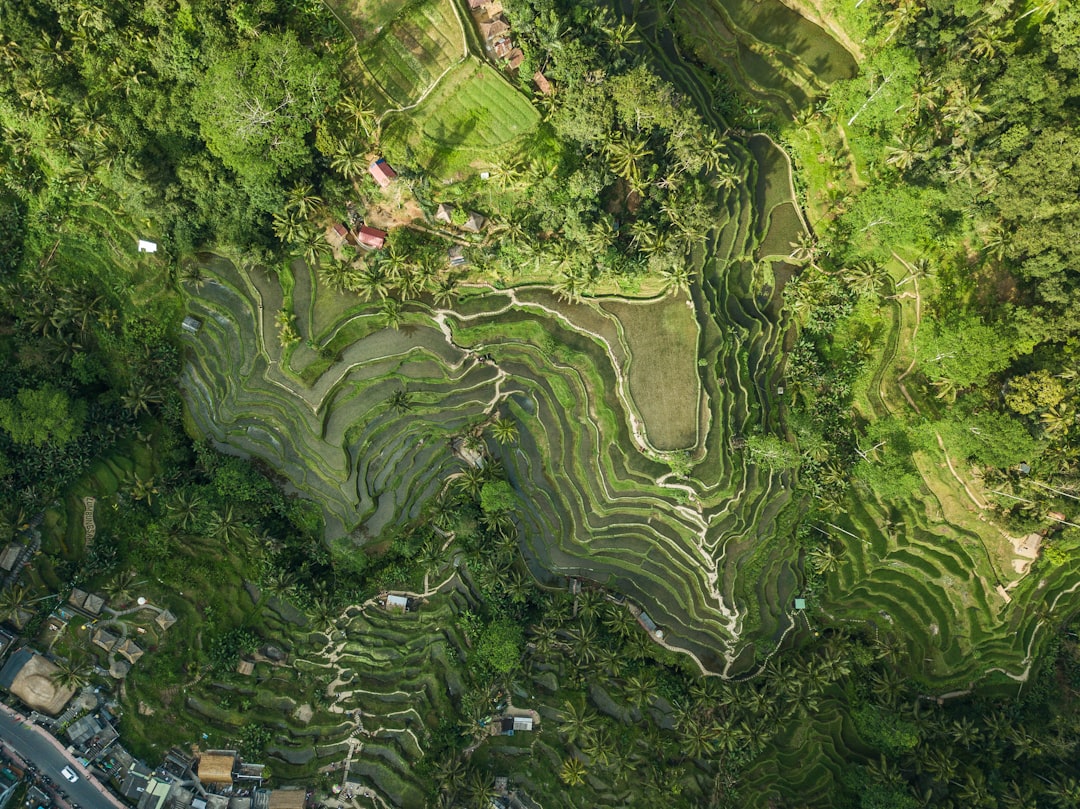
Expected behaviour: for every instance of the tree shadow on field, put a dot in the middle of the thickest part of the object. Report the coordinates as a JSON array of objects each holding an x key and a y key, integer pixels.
[{"x": 447, "y": 141}]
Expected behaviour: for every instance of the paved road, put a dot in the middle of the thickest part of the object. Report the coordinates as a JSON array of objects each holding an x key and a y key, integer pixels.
[{"x": 34, "y": 745}]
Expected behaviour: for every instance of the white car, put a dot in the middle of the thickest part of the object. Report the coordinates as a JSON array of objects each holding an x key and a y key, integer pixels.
[{"x": 69, "y": 774}]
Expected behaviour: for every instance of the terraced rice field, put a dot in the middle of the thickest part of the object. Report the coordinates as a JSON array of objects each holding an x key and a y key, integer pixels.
[
  {"x": 472, "y": 114},
  {"x": 413, "y": 51},
  {"x": 697, "y": 551},
  {"x": 778, "y": 57}
]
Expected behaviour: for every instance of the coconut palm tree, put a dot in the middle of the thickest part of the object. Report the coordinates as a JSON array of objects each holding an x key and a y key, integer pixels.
[
  {"x": 372, "y": 282},
  {"x": 390, "y": 313},
  {"x": 401, "y": 400},
  {"x": 184, "y": 508},
  {"x": 311, "y": 246},
  {"x": 626, "y": 154},
  {"x": 618, "y": 621},
  {"x": 144, "y": 490},
  {"x": 906, "y": 153},
  {"x": 504, "y": 430},
  {"x": 823, "y": 560},
  {"x": 445, "y": 292},
  {"x": 121, "y": 585},
  {"x": 73, "y": 672},
  {"x": 570, "y": 286},
  {"x": 361, "y": 115},
  {"x": 303, "y": 199},
  {"x": 572, "y": 772},
  {"x": 225, "y": 525},
  {"x": 471, "y": 481},
  {"x": 12, "y": 600},
  {"x": 638, "y": 690},
  {"x": 338, "y": 275},
  {"x": 288, "y": 226},
  {"x": 349, "y": 159},
  {"x": 577, "y": 722},
  {"x": 139, "y": 397}
]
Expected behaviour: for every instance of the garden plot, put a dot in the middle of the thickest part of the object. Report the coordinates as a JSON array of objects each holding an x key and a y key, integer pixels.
[
  {"x": 422, "y": 42},
  {"x": 470, "y": 116}
]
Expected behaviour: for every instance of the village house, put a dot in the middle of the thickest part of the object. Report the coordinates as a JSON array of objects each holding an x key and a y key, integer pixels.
[
  {"x": 216, "y": 767},
  {"x": 493, "y": 28},
  {"x": 382, "y": 172},
  {"x": 397, "y": 603},
  {"x": 10, "y": 556},
  {"x": 649, "y": 625},
  {"x": 371, "y": 238},
  {"x": 129, "y": 650},
  {"x": 191, "y": 324},
  {"x": 456, "y": 255},
  {"x": 445, "y": 213},
  {"x": 542, "y": 83},
  {"x": 165, "y": 619},
  {"x": 475, "y": 222},
  {"x": 33, "y": 679},
  {"x": 515, "y": 58},
  {"x": 337, "y": 234}
]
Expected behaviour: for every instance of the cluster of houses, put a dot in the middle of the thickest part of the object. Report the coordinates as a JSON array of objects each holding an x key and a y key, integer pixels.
[
  {"x": 214, "y": 779},
  {"x": 364, "y": 236},
  {"x": 495, "y": 31}
]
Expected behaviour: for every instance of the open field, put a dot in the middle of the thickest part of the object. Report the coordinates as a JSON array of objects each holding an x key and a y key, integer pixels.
[{"x": 472, "y": 114}]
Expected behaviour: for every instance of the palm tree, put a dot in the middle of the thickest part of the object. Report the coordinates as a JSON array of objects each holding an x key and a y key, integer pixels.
[
  {"x": 1058, "y": 420},
  {"x": 638, "y": 689},
  {"x": 401, "y": 400},
  {"x": 572, "y": 772},
  {"x": 445, "y": 292},
  {"x": 338, "y": 275},
  {"x": 139, "y": 397},
  {"x": 907, "y": 152},
  {"x": 311, "y": 246},
  {"x": 504, "y": 431},
  {"x": 569, "y": 287},
  {"x": 144, "y": 489},
  {"x": 280, "y": 583},
  {"x": 288, "y": 226},
  {"x": 583, "y": 643},
  {"x": 390, "y": 312},
  {"x": 697, "y": 738},
  {"x": 471, "y": 481},
  {"x": 577, "y": 722},
  {"x": 303, "y": 199},
  {"x": 676, "y": 276},
  {"x": 823, "y": 560},
  {"x": 225, "y": 525},
  {"x": 625, "y": 155},
  {"x": 12, "y": 600},
  {"x": 121, "y": 584},
  {"x": 349, "y": 159},
  {"x": 372, "y": 282},
  {"x": 361, "y": 115},
  {"x": 73, "y": 672},
  {"x": 185, "y": 508},
  {"x": 619, "y": 622}
]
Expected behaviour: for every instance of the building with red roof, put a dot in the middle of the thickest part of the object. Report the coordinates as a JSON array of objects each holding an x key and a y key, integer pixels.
[
  {"x": 382, "y": 172},
  {"x": 372, "y": 238}
]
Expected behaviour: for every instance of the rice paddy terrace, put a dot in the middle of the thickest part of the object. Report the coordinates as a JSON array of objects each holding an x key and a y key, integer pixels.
[{"x": 581, "y": 380}]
